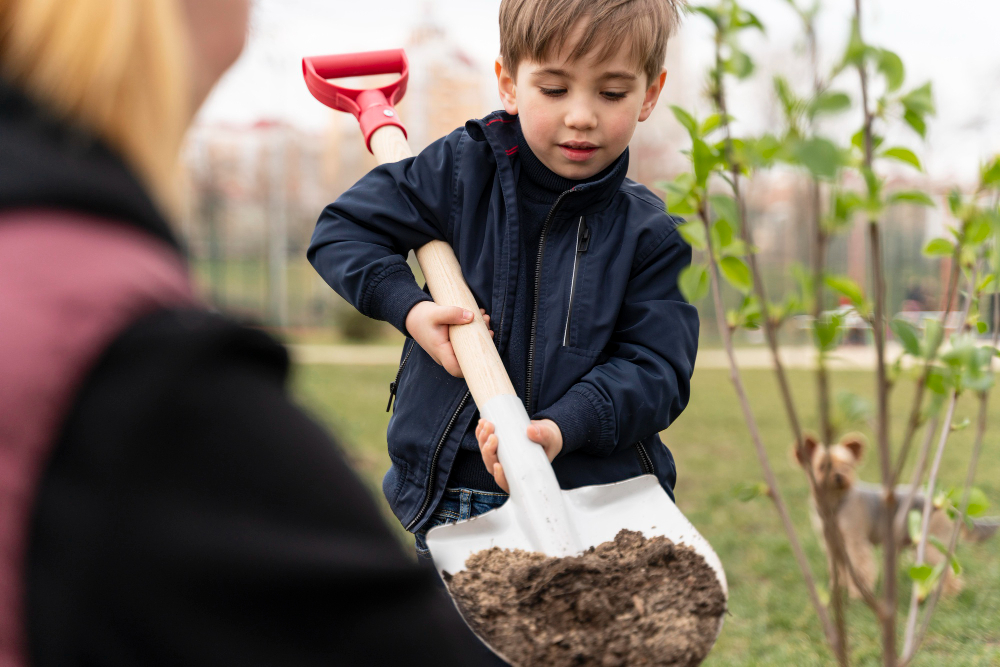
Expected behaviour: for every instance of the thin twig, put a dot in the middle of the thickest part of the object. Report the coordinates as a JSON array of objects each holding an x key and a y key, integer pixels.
[
  {"x": 765, "y": 464},
  {"x": 910, "y": 648},
  {"x": 913, "y": 423},
  {"x": 918, "y": 473},
  {"x": 911, "y": 619}
]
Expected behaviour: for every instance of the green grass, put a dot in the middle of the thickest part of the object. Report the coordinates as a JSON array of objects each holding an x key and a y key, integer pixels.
[{"x": 771, "y": 621}]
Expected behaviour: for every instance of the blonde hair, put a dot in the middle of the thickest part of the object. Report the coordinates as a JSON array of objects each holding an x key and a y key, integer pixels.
[
  {"x": 117, "y": 68},
  {"x": 534, "y": 29}
]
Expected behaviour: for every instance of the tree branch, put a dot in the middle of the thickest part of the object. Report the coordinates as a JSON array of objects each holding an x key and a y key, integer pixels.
[
  {"x": 911, "y": 619},
  {"x": 765, "y": 464},
  {"x": 913, "y": 423}
]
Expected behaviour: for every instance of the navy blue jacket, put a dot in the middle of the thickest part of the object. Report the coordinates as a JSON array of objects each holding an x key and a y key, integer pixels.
[{"x": 621, "y": 354}]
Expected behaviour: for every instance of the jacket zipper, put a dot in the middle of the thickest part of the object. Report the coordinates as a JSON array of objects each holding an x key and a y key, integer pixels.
[
  {"x": 644, "y": 458},
  {"x": 395, "y": 383},
  {"x": 432, "y": 474},
  {"x": 582, "y": 243},
  {"x": 538, "y": 287}
]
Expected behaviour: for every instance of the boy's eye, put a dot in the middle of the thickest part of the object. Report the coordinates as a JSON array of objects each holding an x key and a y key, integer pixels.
[
  {"x": 553, "y": 92},
  {"x": 614, "y": 96}
]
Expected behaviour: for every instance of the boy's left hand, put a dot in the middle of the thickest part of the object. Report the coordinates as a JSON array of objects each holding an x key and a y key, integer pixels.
[{"x": 543, "y": 431}]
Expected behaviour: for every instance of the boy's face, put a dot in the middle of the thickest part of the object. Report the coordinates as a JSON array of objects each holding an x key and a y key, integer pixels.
[{"x": 578, "y": 116}]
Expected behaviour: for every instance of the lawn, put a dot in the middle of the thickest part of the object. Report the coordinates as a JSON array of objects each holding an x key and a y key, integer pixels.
[{"x": 771, "y": 621}]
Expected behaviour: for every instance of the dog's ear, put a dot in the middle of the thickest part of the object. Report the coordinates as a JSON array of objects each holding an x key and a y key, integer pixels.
[
  {"x": 856, "y": 443},
  {"x": 804, "y": 454}
]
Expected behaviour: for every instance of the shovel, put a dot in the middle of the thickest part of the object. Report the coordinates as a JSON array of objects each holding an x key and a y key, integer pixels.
[{"x": 539, "y": 516}]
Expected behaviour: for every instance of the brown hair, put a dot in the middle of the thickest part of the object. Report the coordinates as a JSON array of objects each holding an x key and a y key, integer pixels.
[{"x": 532, "y": 29}]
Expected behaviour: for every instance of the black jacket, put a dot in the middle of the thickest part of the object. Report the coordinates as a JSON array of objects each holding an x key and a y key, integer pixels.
[
  {"x": 189, "y": 512},
  {"x": 611, "y": 346}
]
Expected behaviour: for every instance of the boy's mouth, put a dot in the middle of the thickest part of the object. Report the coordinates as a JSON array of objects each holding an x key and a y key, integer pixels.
[{"x": 577, "y": 151}]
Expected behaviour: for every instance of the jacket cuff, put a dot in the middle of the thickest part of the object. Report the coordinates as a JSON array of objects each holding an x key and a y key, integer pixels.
[
  {"x": 580, "y": 422},
  {"x": 393, "y": 297}
]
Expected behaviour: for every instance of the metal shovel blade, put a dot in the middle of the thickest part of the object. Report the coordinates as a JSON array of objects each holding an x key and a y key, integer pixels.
[{"x": 596, "y": 514}]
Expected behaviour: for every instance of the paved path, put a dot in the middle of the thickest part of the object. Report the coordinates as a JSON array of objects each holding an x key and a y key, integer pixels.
[{"x": 845, "y": 358}]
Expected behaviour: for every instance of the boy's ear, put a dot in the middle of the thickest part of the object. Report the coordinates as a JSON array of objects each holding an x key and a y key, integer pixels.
[
  {"x": 652, "y": 95},
  {"x": 804, "y": 454},
  {"x": 856, "y": 443},
  {"x": 507, "y": 88}
]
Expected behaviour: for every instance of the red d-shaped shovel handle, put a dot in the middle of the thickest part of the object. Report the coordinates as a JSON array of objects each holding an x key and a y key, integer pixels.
[{"x": 373, "y": 108}]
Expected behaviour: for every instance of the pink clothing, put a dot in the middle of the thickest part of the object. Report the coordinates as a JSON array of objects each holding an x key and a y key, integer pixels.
[{"x": 69, "y": 285}]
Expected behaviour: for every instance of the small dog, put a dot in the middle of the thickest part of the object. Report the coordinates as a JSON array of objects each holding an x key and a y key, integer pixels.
[{"x": 861, "y": 512}]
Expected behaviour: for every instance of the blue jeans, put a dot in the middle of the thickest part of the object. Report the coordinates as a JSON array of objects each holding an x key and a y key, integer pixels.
[{"x": 457, "y": 505}]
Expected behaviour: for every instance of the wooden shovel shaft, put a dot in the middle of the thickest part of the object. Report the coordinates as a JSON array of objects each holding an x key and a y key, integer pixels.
[{"x": 477, "y": 355}]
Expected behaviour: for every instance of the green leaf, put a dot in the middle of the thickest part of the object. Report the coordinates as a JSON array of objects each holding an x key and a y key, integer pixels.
[
  {"x": 711, "y": 123},
  {"x": 694, "y": 282},
  {"x": 827, "y": 331},
  {"x": 685, "y": 119},
  {"x": 848, "y": 288},
  {"x": 955, "y": 203},
  {"x": 855, "y": 52},
  {"x": 917, "y": 122},
  {"x": 982, "y": 327},
  {"x": 903, "y": 155},
  {"x": 933, "y": 335},
  {"x": 820, "y": 156},
  {"x": 745, "y": 492},
  {"x": 939, "y": 248},
  {"x": 977, "y": 230},
  {"x": 704, "y": 159},
  {"x": 913, "y": 525},
  {"x": 829, "y": 102},
  {"x": 694, "y": 233},
  {"x": 907, "y": 336},
  {"x": 911, "y": 197},
  {"x": 978, "y": 502},
  {"x": 986, "y": 283},
  {"x": 940, "y": 546},
  {"x": 921, "y": 572},
  {"x": 722, "y": 236},
  {"x": 737, "y": 273},
  {"x": 990, "y": 174},
  {"x": 739, "y": 64},
  {"x": 920, "y": 100},
  {"x": 854, "y": 408},
  {"x": 724, "y": 207},
  {"x": 891, "y": 66}
]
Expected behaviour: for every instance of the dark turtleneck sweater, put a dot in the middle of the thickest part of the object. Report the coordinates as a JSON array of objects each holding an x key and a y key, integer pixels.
[{"x": 538, "y": 189}]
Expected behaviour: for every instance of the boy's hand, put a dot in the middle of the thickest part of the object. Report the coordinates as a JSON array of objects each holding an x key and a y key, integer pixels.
[
  {"x": 543, "y": 431},
  {"x": 428, "y": 323}
]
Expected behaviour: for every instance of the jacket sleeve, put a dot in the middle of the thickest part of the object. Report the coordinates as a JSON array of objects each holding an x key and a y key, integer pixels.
[
  {"x": 646, "y": 382},
  {"x": 361, "y": 241}
]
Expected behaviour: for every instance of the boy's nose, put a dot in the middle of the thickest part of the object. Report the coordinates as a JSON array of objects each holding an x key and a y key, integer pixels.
[{"x": 581, "y": 117}]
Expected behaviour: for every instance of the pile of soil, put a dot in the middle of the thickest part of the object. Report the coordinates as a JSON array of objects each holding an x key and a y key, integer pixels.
[{"x": 629, "y": 602}]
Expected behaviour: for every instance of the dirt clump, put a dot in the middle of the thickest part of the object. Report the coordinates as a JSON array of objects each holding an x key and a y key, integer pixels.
[{"x": 630, "y": 602}]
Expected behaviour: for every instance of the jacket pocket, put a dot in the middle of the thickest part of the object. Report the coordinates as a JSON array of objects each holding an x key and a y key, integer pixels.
[{"x": 394, "y": 480}]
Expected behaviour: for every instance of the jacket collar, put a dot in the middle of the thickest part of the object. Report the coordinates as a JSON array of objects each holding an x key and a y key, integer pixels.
[
  {"x": 502, "y": 131},
  {"x": 47, "y": 163}
]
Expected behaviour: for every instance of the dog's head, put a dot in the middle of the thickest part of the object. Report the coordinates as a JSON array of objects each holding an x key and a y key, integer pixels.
[{"x": 834, "y": 467}]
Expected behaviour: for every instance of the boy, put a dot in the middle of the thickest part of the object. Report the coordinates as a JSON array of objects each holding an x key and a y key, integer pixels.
[{"x": 576, "y": 265}]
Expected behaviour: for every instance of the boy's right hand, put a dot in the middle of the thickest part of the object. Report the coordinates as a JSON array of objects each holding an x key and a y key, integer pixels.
[{"x": 428, "y": 324}]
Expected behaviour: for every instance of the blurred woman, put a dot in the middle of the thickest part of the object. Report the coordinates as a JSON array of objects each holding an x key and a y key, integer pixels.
[{"x": 161, "y": 500}]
